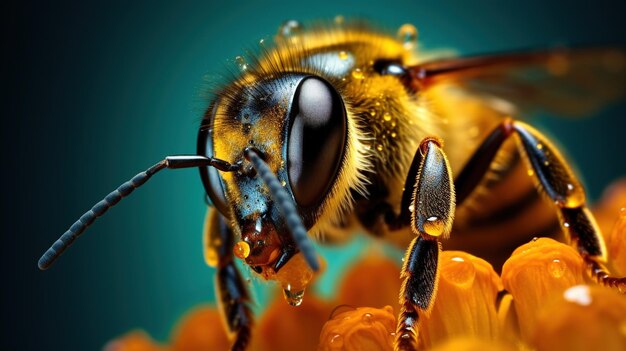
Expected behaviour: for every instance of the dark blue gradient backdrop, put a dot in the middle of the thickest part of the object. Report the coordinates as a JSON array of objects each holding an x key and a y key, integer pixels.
[{"x": 93, "y": 93}]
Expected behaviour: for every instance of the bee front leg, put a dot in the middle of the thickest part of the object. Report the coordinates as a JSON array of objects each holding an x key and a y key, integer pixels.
[
  {"x": 231, "y": 291},
  {"x": 556, "y": 180},
  {"x": 432, "y": 211}
]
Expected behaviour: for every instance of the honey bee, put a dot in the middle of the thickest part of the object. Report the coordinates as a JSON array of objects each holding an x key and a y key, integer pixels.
[{"x": 342, "y": 127}]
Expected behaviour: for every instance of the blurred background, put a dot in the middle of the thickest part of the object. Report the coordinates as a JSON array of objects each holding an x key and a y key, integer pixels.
[{"x": 94, "y": 93}]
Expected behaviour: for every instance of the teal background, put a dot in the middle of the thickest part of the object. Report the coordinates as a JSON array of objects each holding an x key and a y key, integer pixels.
[{"x": 93, "y": 93}]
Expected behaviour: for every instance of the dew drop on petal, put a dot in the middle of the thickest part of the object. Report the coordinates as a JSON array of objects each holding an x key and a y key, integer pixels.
[
  {"x": 556, "y": 268},
  {"x": 336, "y": 340},
  {"x": 387, "y": 116}
]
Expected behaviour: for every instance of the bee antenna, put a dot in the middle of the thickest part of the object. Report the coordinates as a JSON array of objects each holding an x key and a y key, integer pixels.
[
  {"x": 171, "y": 162},
  {"x": 287, "y": 206}
]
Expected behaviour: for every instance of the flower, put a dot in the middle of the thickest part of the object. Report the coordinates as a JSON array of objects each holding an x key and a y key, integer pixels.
[{"x": 543, "y": 300}]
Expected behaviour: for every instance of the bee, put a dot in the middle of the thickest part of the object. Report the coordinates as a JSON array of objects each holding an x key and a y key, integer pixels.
[{"x": 342, "y": 127}]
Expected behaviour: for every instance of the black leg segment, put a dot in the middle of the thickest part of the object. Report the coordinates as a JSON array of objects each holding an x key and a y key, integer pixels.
[
  {"x": 432, "y": 210},
  {"x": 231, "y": 291}
]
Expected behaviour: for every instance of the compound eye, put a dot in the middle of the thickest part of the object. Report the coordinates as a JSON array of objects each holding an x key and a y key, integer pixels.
[
  {"x": 317, "y": 140},
  {"x": 210, "y": 176}
]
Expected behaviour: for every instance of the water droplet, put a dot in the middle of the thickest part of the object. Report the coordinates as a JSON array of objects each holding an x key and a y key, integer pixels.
[
  {"x": 358, "y": 74},
  {"x": 294, "y": 298},
  {"x": 241, "y": 250},
  {"x": 289, "y": 29},
  {"x": 460, "y": 272},
  {"x": 393, "y": 134},
  {"x": 262, "y": 42},
  {"x": 575, "y": 196},
  {"x": 539, "y": 146},
  {"x": 241, "y": 63},
  {"x": 379, "y": 147},
  {"x": 546, "y": 163},
  {"x": 530, "y": 173},
  {"x": 556, "y": 268},
  {"x": 343, "y": 55},
  {"x": 283, "y": 183},
  {"x": 387, "y": 117},
  {"x": 367, "y": 318},
  {"x": 411, "y": 208},
  {"x": 336, "y": 341},
  {"x": 407, "y": 34},
  {"x": 566, "y": 225},
  {"x": 393, "y": 124},
  {"x": 434, "y": 226},
  {"x": 377, "y": 103}
]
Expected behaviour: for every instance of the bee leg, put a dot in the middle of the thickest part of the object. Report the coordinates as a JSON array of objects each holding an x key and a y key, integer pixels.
[
  {"x": 231, "y": 291},
  {"x": 432, "y": 211},
  {"x": 553, "y": 177}
]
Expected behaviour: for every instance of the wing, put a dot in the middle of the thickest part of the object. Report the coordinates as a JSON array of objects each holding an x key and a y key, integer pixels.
[{"x": 561, "y": 81}]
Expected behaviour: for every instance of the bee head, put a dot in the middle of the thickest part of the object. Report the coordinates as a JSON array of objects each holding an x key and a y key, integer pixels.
[{"x": 297, "y": 125}]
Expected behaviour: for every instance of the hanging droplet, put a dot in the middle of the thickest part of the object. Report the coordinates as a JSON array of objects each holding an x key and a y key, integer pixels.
[
  {"x": 294, "y": 298},
  {"x": 343, "y": 55},
  {"x": 407, "y": 34},
  {"x": 387, "y": 117},
  {"x": 434, "y": 226},
  {"x": 358, "y": 74},
  {"x": 241, "y": 63},
  {"x": 379, "y": 147},
  {"x": 289, "y": 29}
]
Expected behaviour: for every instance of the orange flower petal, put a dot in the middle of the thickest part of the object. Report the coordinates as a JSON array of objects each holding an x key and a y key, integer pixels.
[
  {"x": 134, "y": 341},
  {"x": 199, "y": 330},
  {"x": 374, "y": 281},
  {"x": 583, "y": 318},
  {"x": 362, "y": 328},
  {"x": 473, "y": 344},
  {"x": 285, "y": 327},
  {"x": 465, "y": 302},
  {"x": 611, "y": 216},
  {"x": 537, "y": 272}
]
